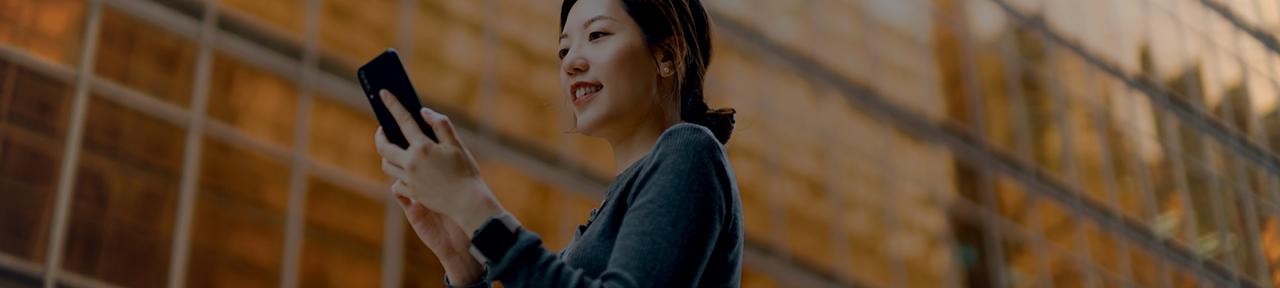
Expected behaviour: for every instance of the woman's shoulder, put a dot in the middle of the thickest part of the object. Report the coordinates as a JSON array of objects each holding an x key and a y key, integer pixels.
[
  {"x": 687, "y": 148},
  {"x": 688, "y": 139},
  {"x": 687, "y": 157}
]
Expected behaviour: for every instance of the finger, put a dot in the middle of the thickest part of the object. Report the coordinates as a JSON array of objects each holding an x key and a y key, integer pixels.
[
  {"x": 389, "y": 150},
  {"x": 400, "y": 188},
  {"x": 404, "y": 202},
  {"x": 395, "y": 189},
  {"x": 407, "y": 126},
  {"x": 393, "y": 171},
  {"x": 442, "y": 125}
]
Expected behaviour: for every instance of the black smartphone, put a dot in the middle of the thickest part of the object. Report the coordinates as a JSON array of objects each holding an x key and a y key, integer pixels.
[{"x": 386, "y": 72}]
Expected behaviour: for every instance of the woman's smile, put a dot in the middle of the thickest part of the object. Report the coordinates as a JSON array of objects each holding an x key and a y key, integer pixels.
[{"x": 583, "y": 91}]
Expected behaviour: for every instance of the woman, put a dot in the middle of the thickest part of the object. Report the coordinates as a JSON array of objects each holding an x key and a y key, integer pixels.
[{"x": 634, "y": 72}]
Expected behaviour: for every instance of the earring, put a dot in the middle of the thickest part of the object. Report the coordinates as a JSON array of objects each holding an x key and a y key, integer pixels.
[{"x": 665, "y": 69}]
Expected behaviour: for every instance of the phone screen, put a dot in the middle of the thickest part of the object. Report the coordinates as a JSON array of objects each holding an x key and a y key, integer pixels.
[{"x": 386, "y": 72}]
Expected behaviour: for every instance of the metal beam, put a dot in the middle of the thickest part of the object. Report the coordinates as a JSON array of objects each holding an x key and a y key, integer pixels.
[
  {"x": 1099, "y": 119},
  {"x": 1217, "y": 205},
  {"x": 193, "y": 145},
  {"x": 33, "y": 271},
  {"x": 1258, "y": 33},
  {"x": 7, "y": 88},
  {"x": 295, "y": 215},
  {"x": 985, "y": 182},
  {"x": 392, "y": 243},
  {"x": 1067, "y": 155},
  {"x": 1022, "y": 144},
  {"x": 71, "y": 149}
]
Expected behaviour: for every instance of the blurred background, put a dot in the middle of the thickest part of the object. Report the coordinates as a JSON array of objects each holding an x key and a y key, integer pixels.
[{"x": 880, "y": 143}]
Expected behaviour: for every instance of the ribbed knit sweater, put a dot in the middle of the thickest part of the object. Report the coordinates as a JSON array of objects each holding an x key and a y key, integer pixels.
[{"x": 672, "y": 219}]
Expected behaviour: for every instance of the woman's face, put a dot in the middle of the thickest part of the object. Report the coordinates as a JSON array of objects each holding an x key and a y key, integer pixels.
[{"x": 608, "y": 72}]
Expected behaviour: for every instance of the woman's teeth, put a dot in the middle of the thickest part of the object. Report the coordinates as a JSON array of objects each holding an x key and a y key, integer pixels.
[{"x": 585, "y": 90}]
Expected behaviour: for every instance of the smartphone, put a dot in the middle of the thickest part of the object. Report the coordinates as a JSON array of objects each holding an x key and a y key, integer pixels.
[{"x": 386, "y": 72}]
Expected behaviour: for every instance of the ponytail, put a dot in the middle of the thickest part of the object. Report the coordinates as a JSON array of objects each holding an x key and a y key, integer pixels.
[{"x": 694, "y": 110}]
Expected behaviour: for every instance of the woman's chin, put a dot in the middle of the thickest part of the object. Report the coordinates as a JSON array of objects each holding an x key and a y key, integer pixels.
[
  {"x": 589, "y": 127},
  {"x": 587, "y": 130}
]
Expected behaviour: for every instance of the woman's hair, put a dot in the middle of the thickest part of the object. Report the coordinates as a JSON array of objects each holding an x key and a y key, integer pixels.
[{"x": 682, "y": 30}]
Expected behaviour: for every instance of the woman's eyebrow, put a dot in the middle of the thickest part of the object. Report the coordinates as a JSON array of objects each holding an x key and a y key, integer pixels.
[
  {"x": 588, "y": 23},
  {"x": 594, "y": 19}
]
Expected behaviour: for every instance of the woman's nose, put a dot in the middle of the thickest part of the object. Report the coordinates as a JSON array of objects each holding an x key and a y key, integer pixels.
[{"x": 573, "y": 63}]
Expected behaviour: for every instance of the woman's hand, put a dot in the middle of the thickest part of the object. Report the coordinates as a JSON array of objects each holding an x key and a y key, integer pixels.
[
  {"x": 441, "y": 176},
  {"x": 446, "y": 240},
  {"x": 441, "y": 181}
]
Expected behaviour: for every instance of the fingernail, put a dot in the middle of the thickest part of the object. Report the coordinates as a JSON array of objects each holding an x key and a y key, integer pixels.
[
  {"x": 424, "y": 110},
  {"x": 385, "y": 94}
]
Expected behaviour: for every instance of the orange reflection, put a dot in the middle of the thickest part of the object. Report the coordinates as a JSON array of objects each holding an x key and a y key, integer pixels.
[{"x": 1271, "y": 247}]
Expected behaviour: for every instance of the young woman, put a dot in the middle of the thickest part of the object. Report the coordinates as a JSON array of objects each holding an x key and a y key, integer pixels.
[{"x": 633, "y": 70}]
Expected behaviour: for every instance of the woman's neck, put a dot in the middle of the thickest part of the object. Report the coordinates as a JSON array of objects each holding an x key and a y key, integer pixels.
[{"x": 629, "y": 148}]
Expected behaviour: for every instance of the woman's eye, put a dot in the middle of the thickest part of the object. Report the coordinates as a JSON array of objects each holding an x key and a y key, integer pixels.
[
  {"x": 563, "y": 52},
  {"x": 596, "y": 35}
]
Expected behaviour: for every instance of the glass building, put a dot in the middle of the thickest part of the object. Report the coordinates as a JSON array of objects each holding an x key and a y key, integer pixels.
[{"x": 880, "y": 143}]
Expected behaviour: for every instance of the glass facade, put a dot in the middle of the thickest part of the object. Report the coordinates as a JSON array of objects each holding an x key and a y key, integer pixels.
[{"x": 880, "y": 143}]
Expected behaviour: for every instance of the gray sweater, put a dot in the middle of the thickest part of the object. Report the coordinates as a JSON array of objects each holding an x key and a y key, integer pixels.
[{"x": 673, "y": 219}]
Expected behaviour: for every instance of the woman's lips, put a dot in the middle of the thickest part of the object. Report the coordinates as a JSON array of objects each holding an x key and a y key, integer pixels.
[{"x": 584, "y": 98}]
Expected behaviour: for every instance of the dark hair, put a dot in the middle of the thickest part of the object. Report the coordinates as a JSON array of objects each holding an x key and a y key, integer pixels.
[{"x": 682, "y": 30}]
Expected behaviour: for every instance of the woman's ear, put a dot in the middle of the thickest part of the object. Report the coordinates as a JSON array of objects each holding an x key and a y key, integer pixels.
[
  {"x": 667, "y": 56},
  {"x": 666, "y": 67}
]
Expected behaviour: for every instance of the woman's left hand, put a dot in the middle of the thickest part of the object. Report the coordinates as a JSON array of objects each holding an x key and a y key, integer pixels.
[{"x": 443, "y": 177}]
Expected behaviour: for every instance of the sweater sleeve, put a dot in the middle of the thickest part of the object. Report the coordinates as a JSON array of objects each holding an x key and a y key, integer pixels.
[
  {"x": 484, "y": 283},
  {"x": 676, "y": 212}
]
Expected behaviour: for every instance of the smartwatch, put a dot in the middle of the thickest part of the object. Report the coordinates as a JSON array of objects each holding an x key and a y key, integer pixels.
[{"x": 493, "y": 239}]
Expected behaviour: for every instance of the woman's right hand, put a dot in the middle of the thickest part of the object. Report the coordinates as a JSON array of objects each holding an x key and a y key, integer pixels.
[{"x": 443, "y": 236}]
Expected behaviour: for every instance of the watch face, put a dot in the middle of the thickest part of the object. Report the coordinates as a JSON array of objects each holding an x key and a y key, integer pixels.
[{"x": 494, "y": 239}]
